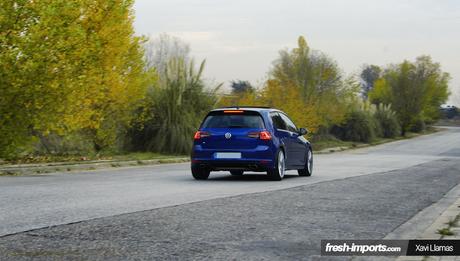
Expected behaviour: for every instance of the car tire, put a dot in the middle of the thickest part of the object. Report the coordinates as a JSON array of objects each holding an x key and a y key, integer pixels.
[
  {"x": 200, "y": 173},
  {"x": 280, "y": 167},
  {"x": 308, "y": 168},
  {"x": 236, "y": 172}
]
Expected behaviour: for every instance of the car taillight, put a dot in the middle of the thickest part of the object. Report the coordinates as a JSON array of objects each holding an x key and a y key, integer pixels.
[
  {"x": 201, "y": 134},
  {"x": 263, "y": 135}
]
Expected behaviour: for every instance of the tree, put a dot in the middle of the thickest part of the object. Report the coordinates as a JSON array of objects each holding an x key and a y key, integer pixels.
[
  {"x": 317, "y": 77},
  {"x": 243, "y": 93},
  {"x": 289, "y": 99},
  {"x": 381, "y": 92},
  {"x": 241, "y": 87},
  {"x": 415, "y": 91},
  {"x": 36, "y": 80},
  {"x": 162, "y": 49},
  {"x": 283, "y": 97},
  {"x": 369, "y": 75},
  {"x": 434, "y": 84},
  {"x": 67, "y": 66},
  {"x": 120, "y": 79}
]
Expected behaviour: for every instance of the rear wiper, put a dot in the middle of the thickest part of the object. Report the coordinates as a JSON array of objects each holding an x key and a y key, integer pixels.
[{"x": 235, "y": 126}]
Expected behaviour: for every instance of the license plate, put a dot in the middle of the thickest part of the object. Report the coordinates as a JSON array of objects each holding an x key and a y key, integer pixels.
[{"x": 228, "y": 155}]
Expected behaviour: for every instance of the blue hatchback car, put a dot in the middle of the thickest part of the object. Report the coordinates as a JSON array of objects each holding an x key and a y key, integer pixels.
[{"x": 260, "y": 139}]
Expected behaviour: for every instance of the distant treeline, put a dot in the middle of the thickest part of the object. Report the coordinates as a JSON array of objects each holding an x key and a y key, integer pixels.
[{"x": 74, "y": 79}]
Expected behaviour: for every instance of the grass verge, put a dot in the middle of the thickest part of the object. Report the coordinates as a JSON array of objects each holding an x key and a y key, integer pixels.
[
  {"x": 326, "y": 142},
  {"x": 75, "y": 159}
]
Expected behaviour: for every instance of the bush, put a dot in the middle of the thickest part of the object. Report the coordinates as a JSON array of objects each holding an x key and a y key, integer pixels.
[
  {"x": 418, "y": 125},
  {"x": 77, "y": 143},
  {"x": 388, "y": 121},
  {"x": 174, "y": 109},
  {"x": 360, "y": 126}
]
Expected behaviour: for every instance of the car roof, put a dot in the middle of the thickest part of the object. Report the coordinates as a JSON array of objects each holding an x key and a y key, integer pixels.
[{"x": 246, "y": 108}]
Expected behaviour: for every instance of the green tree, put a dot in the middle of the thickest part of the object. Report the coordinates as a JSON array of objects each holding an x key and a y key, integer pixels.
[
  {"x": 67, "y": 66},
  {"x": 160, "y": 50},
  {"x": 36, "y": 79},
  {"x": 435, "y": 86},
  {"x": 414, "y": 90},
  {"x": 241, "y": 87},
  {"x": 369, "y": 75},
  {"x": 381, "y": 92}
]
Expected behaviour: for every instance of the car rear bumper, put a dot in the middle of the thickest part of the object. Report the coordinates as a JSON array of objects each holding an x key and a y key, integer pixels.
[
  {"x": 248, "y": 165},
  {"x": 259, "y": 159}
]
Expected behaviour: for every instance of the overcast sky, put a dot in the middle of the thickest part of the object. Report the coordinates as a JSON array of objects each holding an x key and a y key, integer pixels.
[{"x": 241, "y": 38}]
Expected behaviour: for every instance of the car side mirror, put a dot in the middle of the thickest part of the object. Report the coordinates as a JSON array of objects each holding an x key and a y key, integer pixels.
[{"x": 303, "y": 131}]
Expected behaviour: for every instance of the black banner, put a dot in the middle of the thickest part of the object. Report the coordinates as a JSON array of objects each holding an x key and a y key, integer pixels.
[
  {"x": 390, "y": 247},
  {"x": 433, "y": 248}
]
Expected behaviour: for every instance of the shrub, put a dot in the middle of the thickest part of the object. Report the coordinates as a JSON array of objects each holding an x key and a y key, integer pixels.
[
  {"x": 418, "y": 125},
  {"x": 360, "y": 125},
  {"x": 174, "y": 110},
  {"x": 388, "y": 121},
  {"x": 76, "y": 143}
]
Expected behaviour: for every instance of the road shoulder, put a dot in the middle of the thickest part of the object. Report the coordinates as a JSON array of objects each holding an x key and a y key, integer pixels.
[{"x": 428, "y": 224}]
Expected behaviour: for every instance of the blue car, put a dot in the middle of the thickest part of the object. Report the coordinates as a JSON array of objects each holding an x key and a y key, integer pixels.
[{"x": 260, "y": 139}]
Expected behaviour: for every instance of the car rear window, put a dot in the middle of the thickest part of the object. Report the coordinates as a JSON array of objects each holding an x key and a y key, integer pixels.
[{"x": 246, "y": 119}]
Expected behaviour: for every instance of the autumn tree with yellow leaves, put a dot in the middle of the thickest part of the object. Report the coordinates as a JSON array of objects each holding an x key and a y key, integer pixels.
[
  {"x": 317, "y": 78},
  {"x": 307, "y": 85},
  {"x": 67, "y": 66}
]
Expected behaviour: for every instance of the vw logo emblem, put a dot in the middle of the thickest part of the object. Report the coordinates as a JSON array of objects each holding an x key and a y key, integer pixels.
[{"x": 228, "y": 135}]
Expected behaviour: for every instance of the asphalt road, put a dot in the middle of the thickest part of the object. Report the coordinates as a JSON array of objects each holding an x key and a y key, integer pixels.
[{"x": 267, "y": 220}]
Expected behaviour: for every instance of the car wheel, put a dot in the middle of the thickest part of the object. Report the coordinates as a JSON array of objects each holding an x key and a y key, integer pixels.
[
  {"x": 278, "y": 172},
  {"x": 308, "y": 169},
  {"x": 236, "y": 172},
  {"x": 200, "y": 173}
]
